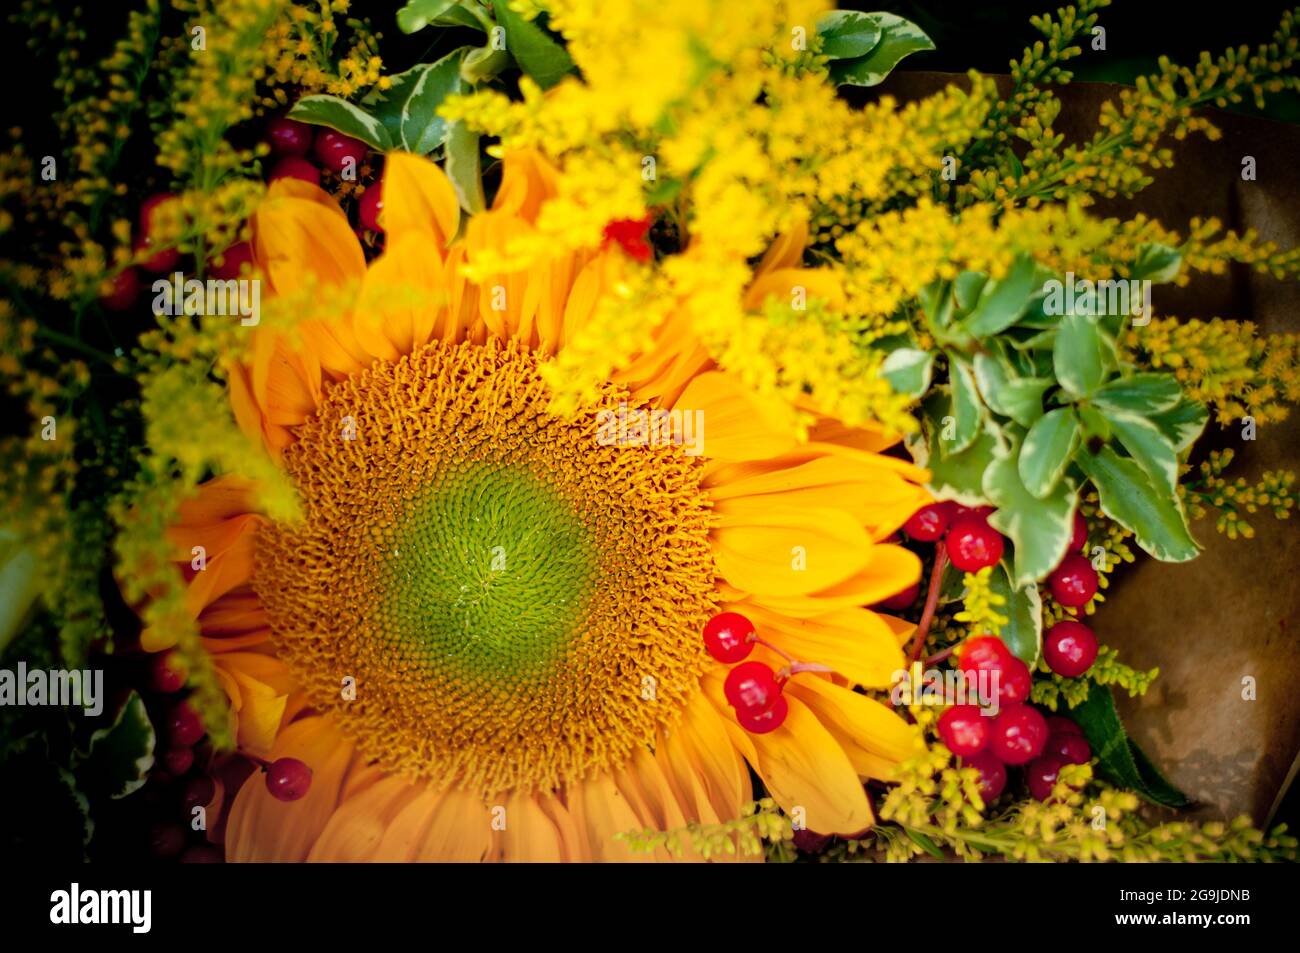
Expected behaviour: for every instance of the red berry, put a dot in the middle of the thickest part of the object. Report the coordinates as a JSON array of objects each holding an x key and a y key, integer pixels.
[
  {"x": 371, "y": 204},
  {"x": 929, "y": 522},
  {"x": 1019, "y": 734},
  {"x": 202, "y": 854},
  {"x": 288, "y": 137},
  {"x": 629, "y": 234},
  {"x": 993, "y": 775},
  {"x": 984, "y": 652},
  {"x": 184, "y": 725},
  {"x": 1074, "y": 582},
  {"x": 199, "y": 792},
  {"x": 751, "y": 687},
  {"x": 1072, "y": 749},
  {"x": 165, "y": 259},
  {"x": 769, "y": 719},
  {"x": 233, "y": 260},
  {"x": 167, "y": 673},
  {"x": 1014, "y": 682},
  {"x": 124, "y": 290},
  {"x": 296, "y": 167},
  {"x": 728, "y": 637},
  {"x": 1079, "y": 540},
  {"x": 973, "y": 543},
  {"x": 178, "y": 760},
  {"x": 1070, "y": 648},
  {"x": 337, "y": 152},
  {"x": 1041, "y": 775},
  {"x": 902, "y": 600},
  {"x": 288, "y": 779},
  {"x": 964, "y": 730},
  {"x": 166, "y": 840}
]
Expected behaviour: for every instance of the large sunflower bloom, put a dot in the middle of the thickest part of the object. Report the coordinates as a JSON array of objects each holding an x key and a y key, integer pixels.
[{"x": 484, "y": 634}]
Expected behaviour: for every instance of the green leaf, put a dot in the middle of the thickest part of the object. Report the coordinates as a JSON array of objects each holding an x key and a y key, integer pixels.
[
  {"x": 342, "y": 116},
  {"x": 1001, "y": 303},
  {"x": 956, "y": 476},
  {"x": 1023, "y": 633},
  {"x": 1156, "y": 262},
  {"x": 1149, "y": 447},
  {"x": 1080, "y": 357},
  {"x": 462, "y": 166},
  {"x": 545, "y": 60},
  {"x": 923, "y": 841},
  {"x": 1047, "y": 449},
  {"x": 417, "y": 14},
  {"x": 1039, "y": 529},
  {"x": 120, "y": 755},
  {"x": 1023, "y": 399},
  {"x": 409, "y": 109},
  {"x": 967, "y": 289},
  {"x": 908, "y": 370},
  {"x": 1119, "y": 760},
  {"x": 1183, "y": 423},
  {"x": 1145, "y": 394},
  {"x": 21, "y": 584},
  {"x": 966, "y": 407},
  {"x": 992, "y": 378},
  {"x": 847, "y": 34},
  {"x": 899, "y": 39},
  {"x": 1129, "y": 498}
]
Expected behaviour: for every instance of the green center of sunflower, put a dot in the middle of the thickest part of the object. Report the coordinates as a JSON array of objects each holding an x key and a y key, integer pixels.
[
  {"x": 487, "y": 576},
  {"x": 481, "y": 593}
]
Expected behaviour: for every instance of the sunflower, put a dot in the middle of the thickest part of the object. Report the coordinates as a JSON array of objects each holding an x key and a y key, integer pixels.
[{"x": 483, "y": 634}]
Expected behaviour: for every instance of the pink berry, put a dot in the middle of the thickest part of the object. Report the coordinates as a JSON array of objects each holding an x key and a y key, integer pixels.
[
  {"x": 769, "y": 719},
  {"x": 751, "y": 687},
  {"x": 729, "y": 637},
  {"x": 1019, "y": 734},
  {"x": 973, "y": 543},
  {"x": 964, "y": 730},
  {"x": 993, "y": 775},
  {"x": 296, "y": 167},
  {"x": 901, "y": 600},
  {"x": 1060, "y": 725},
  {"x": 337, "y": 152},
  {"x": 167, "y": 673},
  {"x": 1041, "y": 775},
  {"x": 1072, "y": 749},
  {"x": 199, "y": 792},
  {"x": 1070, "y": 648},
  {"x": 370, "y": 206},
  {"x": 184, "y": 725},
  {"x": 1079, "y": 540},
  {"x": 1074, "y": 582},
  {"x": 178, "y": 760},
  {"x": 288, "y": 137},
  {"x": 288, "y": 779},
  {"x": 929, "y": 522},
  {"x": 233, "y": 260},
  {"x": 123, "y": 292}
]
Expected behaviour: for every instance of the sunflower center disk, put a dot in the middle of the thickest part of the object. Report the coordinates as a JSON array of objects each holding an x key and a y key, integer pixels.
[{"x": 481, "y": 593}]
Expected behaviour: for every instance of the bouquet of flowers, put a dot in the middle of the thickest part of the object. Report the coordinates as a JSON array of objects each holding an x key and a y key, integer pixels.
[{"x": 618, "y": 431}]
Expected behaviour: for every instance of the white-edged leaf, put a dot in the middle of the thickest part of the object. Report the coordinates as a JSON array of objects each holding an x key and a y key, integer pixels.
[
  {"x": 1039, "y": 529},
  {"x": 1081, "y": 354},
  {"x": 462, "y": 166},
  {"x": 899, "y": 38},
  {"x": 120, "y": 756},
  {"x": 1001, "y": 303},
  {"x": 1182, "y": 423},
  {"x": 417, "y": 14},
  {"x": 966, "y": 407},
  {"x": 1128, "y": 496},
  {"x": 1023, "y": 632},
  {"x": 1144, "y": 393},
  {"x": 1047, "y": 450},
  {"x": 1147, "y": 445},
  {"x": 343, "y": 116},
  {"x": 908, "y": 370},
  {"x": 541, "y": 57},
  {"x": 1023, "y": 398},
  {"x": 847, "y": 34},
  {"x": 409, "y": 108}
]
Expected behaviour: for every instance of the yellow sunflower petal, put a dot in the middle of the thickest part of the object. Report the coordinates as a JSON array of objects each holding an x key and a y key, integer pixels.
[
  {"x": 863, "y": 725},
  {"x": 887, "y": 571},
  {"x": 356, "y": 830},
  {"x": 418, "y": 198},
  {"x": 739, "y": 424},
  {"x": 856, "y": 643}
]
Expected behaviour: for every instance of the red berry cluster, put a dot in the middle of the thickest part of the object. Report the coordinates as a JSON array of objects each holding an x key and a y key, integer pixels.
[
  {"x": 752, "y": 688},
  {"x": 1017, "y": 736},
  {"x": 290, "y": 141},
  {"x": 971, "y": 542}
]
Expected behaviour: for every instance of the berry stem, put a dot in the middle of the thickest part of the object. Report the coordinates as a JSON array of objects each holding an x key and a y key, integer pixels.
[
  {"x": 931, "y": 602},
  {"x": 768, "y": 645},
  {"x": 938, "y": 656},
  {"x": 794, "y": 668}
]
